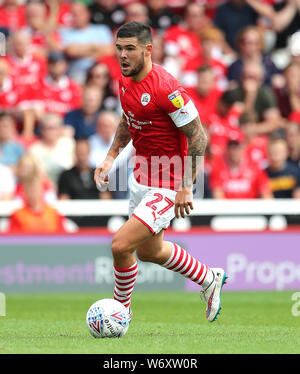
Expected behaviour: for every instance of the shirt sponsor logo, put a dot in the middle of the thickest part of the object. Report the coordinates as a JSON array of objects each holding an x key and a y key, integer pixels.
[
  {"x": 145, "y": 99},
  {"x": 176, "y": 99}
]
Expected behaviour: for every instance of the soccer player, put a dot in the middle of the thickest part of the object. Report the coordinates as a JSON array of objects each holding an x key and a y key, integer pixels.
[{"x": 164, "y": 125}]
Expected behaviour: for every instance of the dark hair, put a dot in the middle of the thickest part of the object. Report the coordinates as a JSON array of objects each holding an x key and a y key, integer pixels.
[
  {"x": 204, "y": 68},
  {"x": 6, "y": 114},
  {"x": 136, "y": 29},
  {"x": 229, "y": 98}
]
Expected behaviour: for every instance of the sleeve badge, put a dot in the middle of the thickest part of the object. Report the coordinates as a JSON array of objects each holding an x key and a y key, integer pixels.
[{"x": 176, "y": 99}]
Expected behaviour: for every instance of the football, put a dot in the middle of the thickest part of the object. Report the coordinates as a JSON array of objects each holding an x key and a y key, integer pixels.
[{"x": 107, "y": 318}]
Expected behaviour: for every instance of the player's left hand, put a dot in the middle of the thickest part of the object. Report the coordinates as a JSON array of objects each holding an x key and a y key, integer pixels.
[
  {"x": 183, "y": 202},
  {"x": 101, "y": 173}
]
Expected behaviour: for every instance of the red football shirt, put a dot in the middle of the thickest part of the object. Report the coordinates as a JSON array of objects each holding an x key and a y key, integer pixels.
[
  {"x": 13, "y": 19},
  {"x": 183, "y": 43},
  {"x": 12, "y": 96},
  {"x": 27, "y": 71},
  {"x": 58, "y": 97},
  {"x": 222, "y": 128},
  {"x": 155, "y": 108},
  {"x": 206, "y": 105},
  {"x": 257, "y": 152},
  {"x": 248, "y": 181}
]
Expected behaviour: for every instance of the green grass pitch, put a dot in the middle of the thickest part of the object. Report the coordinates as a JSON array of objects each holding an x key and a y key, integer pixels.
[{"x": 163, "y": 323}]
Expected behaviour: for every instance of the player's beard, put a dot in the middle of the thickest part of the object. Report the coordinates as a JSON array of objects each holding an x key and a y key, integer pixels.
[{"x": 135, "y": 70}]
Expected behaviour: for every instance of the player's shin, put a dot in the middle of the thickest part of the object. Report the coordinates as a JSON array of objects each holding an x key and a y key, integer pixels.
[
  {"x": 124, "y": 283},
  {"x": 182, "y": 262}
]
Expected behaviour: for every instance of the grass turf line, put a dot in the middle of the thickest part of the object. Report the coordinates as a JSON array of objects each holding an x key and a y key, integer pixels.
[{"x": 163, "y": 323}]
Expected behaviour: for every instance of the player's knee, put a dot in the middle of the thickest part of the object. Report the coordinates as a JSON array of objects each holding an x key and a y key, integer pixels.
[{"x": 120, "y": 246}]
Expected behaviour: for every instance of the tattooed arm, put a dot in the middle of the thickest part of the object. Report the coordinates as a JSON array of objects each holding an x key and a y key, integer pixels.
[
  {"x": 121, "y": 139},
  {"x": 197, "y": 141}
]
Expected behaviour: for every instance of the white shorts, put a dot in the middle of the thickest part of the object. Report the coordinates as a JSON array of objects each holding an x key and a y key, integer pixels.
[{"x": 154, "y": 207}]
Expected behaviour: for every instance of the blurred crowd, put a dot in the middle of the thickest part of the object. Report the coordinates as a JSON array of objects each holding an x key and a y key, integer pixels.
[{"x": 59, "y": 109}]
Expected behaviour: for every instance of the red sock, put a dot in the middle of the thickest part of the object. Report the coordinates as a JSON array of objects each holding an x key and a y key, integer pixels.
[
  {"x": 185, "y": 264},
  {"x": 124, "y": 283}
]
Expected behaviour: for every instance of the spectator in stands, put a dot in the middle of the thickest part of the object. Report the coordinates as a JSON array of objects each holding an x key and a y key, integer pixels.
[
  {"x": 27, "y": 68},
  {"x": 113, "y": 65},
  {"x": 100, "y": 142},
  {"x": 255, "y": 145},
  {"x": 234, "y": 176},
  {"x": 170, "y": 63},
  {"x": 223, "y": 123},
  {"x": 10, "y": 149},
  {"x": 59, "y": 13},
  {"x": 54, "y": 151},
  {"x": 161, "y": 17},
  {"x": 284, "y": 176},
  {"x": 283, "y": 15},
  {"x": 42, "y": 33},
  {"x": 213, "y": 48},
  {"x": 232, "y": 16},
  {"x": 206, "y": 94},
  {"x": 12, "y": 15},
  {"x": 36, "y": 216},
  {"x": 288, "y": 96},
  {"x": 250, "y": 44},
  {"x": 26, "y": 71},
  {"x": 293, "y": 142},
  {"x": 82, "y": 121},
  {"x": 57, "y": 93},
  {"x": 211, "y": 7},
  {"x": 11, "y": 95},
  {"x": 136, "y": 11},
  {"x": 107, "y": 12},
  {"x": 257, "y": 97},
  {"x": 183, "y": 40},
  {"x": 78, "y": 182},
  {"x": 84, "y": 43},
  {"x": 99, "y": 75},
  {"x": 8, "y": 182},
  {"x": 216, "y": 53},
  {"x": 27, "y": 169}
]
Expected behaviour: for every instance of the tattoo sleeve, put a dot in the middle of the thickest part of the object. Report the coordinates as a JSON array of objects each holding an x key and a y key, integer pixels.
[
  {"x": 121, "y": 139},
  {"x": 197, "y": 140}
]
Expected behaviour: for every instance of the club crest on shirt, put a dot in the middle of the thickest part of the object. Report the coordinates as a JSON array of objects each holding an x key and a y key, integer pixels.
[
  {"x": 145, "y": 99},
  {"x": 176, "y": 99}
]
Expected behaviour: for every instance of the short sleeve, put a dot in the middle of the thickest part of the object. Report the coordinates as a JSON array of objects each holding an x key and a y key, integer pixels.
[{"x": 175, "y": 101}]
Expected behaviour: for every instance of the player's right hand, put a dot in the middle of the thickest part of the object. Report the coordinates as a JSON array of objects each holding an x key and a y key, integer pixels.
[
  {"x": 183, "y": 202},
  {"x": 101, "y": 173}
]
